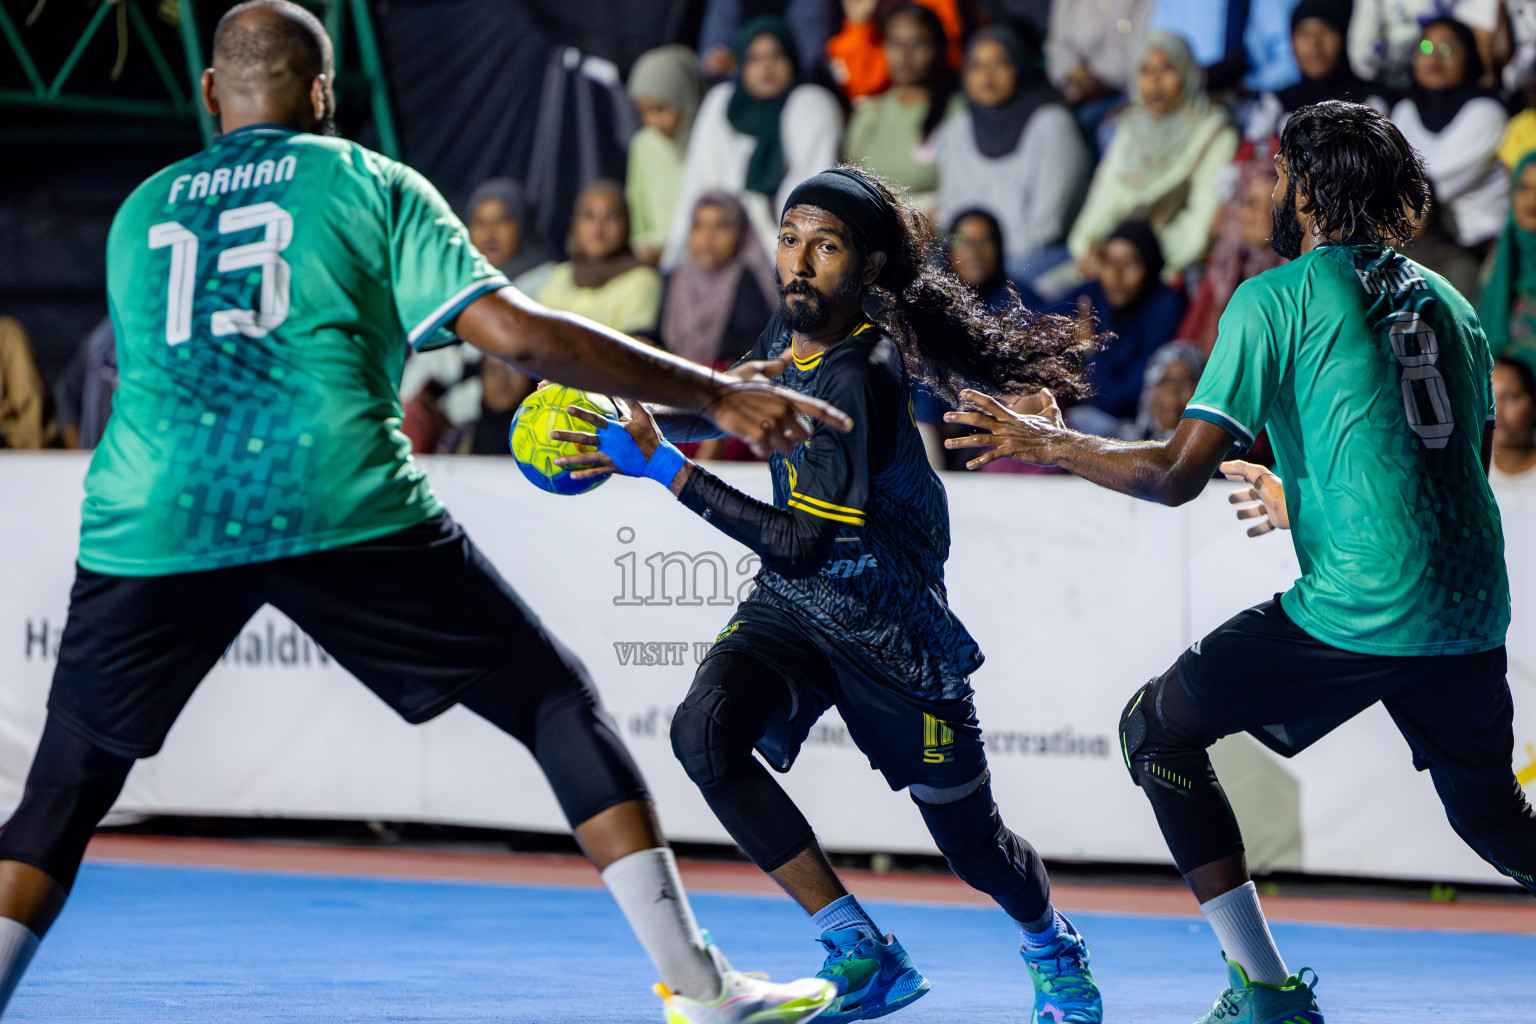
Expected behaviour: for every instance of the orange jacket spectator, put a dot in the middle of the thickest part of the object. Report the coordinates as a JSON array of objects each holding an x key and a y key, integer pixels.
[{"x": 856, "y": 56}]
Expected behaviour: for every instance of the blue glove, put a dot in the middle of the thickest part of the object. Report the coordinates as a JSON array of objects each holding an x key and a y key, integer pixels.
[{"x": 616, "y": 442}]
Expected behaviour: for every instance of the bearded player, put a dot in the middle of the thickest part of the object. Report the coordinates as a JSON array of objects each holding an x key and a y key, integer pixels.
[
  {"x": 850, "y": 609},
  {"x": 263, "y": 293},
  {"x": 1372, "y": 376}
]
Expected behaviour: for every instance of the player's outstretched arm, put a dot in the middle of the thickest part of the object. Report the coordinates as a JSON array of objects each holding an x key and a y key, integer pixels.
[
  {"x": 1168, "y": 472},
  {"x": 790, "y": 543},
  {"x": 579, "y": 353}
]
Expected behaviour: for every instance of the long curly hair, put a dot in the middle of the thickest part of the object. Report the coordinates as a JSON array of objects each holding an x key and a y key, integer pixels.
[
  {"x": 1364, "y": 178},
  {"x": 950, "y": 339}
]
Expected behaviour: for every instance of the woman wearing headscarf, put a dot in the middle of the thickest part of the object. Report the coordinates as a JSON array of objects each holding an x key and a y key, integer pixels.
[
  {"x": 501, "y": 227},
  {"x": 603, "y": 280},
  {"x": 1456, "y": 126},
  {"x": 1166, "y": 388},
  {"x": 892, "y": 133},
  {"x": 1508, "y": 306},
  {"x": 1014, "y": 150},
  {"x": 758, "y": 136},
  {"x": 1164, "y": 164},
  {"x": 1241, "y": 249},
  {"x": 721, "y": 293},
  {"x": 1318, "y": 32},
  {"x": 975, "y": 253},
  {"x": 441, "y": 388},
  {"x": 1514, "y": 426},
  {"x": 666, "y": 88},
  {"x": 1129, "y": 301}
]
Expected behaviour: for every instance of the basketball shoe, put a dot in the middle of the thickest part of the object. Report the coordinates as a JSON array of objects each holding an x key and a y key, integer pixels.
[
  {"x": 1065, "y": 992},
  {"x": 748, "y": 999},
  {"x": 1253, "y": 1002},
  {"x": 873, "y": 977}
]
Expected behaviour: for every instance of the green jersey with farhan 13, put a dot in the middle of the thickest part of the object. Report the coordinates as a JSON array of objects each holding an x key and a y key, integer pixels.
[
  {"x": 1373, "y": 377},
  {"x": 263, "y": 293}
]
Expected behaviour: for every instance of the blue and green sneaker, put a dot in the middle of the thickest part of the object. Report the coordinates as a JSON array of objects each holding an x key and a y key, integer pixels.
[
  {"x": 874, "y": 977},
  {"x": 1253, "y": 1002},
  {"x": 1065, "y": 992}
]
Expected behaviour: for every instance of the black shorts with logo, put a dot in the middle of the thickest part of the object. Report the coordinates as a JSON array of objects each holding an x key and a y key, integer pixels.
[
  {"x": 932, "y": 746},
  {"x": 420, "y": 616}
]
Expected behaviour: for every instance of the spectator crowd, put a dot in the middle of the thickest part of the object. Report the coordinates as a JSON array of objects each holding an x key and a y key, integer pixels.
[{"x": 1111, "y": 160}]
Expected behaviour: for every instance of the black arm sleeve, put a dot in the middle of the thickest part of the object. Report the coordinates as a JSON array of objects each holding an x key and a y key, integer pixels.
[{"x": 829, "y": 485}]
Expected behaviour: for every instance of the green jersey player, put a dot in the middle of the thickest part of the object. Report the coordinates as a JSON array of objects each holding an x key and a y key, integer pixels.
[
  {"x": 1372, "y": 377},
  {"x": 263, "y": 293}
]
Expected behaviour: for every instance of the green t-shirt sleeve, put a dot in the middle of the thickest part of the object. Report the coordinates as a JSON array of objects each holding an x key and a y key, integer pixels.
[
  {"x": 1247, "y": 364},
  {"x": 436, "y": 271}
]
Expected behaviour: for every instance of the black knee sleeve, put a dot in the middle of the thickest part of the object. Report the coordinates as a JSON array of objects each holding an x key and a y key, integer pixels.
[
  {"x": 72, "y": 785},
  {"x": 713, "y": 732},
  {"x": 1493, "y": 817},
  {"x": 986, "y": 855},
  {"x": 572, "y": 738},
  {"x": 1164, "y": 743}
]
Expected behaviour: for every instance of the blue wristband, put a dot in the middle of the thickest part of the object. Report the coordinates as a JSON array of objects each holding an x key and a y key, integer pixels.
[{"x": 665, "y": 463}]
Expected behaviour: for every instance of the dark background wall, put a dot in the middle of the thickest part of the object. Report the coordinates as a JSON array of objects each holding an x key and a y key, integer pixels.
[{"x": 464, "y": 79}]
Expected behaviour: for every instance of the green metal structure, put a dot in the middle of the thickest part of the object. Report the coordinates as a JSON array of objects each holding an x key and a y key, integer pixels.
[{"x": 182, "y": 101}]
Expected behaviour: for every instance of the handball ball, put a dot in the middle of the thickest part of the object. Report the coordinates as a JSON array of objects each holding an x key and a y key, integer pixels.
[{"x": 534, "y": 449}]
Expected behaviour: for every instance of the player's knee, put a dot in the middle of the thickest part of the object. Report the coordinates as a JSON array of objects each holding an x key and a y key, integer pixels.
[
  {"x": 1155, "y": 754},
  {"x": 72, "y": 785},
  {"x": 701, "y": 738}
]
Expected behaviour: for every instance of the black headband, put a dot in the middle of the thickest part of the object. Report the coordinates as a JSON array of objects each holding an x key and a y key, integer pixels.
[{"x": 865, "y": 212}]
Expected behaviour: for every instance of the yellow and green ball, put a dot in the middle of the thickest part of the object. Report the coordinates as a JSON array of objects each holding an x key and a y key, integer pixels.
[{"x": 535, "y": 450}]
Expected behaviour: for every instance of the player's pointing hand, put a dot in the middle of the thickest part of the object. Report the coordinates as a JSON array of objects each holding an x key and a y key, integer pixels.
[{"x": 768, "y": 417}]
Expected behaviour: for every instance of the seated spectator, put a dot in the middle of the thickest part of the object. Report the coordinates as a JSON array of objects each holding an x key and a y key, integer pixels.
[
  {"x": 501, "y": 228},
  {"x": 975, "y": 252},
  {"x": 1240, "y": 251},
  {"x": 758, "y": 136},
  {"x": 1014, "y": 150},
  {"x": 1508, "y": 305},
  {"x": 1456, "y": 126},
  {"x": 859, "y": 56},
  {"x": 1215, "y": 32},
  {"x": 1514, "y": 426},
  {"x": 1318, "y": 29},
  {"x": 666, "y": 89},
  {"x": 1130, "y": 301},
  {"x": 1090, "y": 52},
  {"x": 26, "y": 405},
  {"x": 810, "y": 23},
  {"x": 1169, "y": 152},
  {"x": 502, "y": 390},
  {"x": 1520, "y": 135},
  {"x": 1384, "y": 35},
  {"x": 83, "y": 394},
  {"x": 722, "y": 292},
  {"x": 1434, "y": 246},
  {"x": 603, "y": 280},
  {"x": 891, "y": 133},
  {"x": 1169, "y": 384}
]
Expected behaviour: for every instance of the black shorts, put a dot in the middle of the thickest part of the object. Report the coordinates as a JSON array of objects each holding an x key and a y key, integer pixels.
[
  {"x": 1262, "y": 674},
  {"x": 934, "y": 747},
  {"x": 419, "y": 616}
]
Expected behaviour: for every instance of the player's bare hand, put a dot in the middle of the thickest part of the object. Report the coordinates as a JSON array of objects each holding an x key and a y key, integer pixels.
[
  {"x": 770, "y": 418},
  {"x": 1040, "y": 403},
  {"x": 1263, "y": 499},
  {"x": 758, "y": 369},
  {"x": 1023, "y": 437}
]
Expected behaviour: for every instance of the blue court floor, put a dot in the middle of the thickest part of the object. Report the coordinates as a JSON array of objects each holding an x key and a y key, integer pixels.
[{"x": 162, "y": 945}]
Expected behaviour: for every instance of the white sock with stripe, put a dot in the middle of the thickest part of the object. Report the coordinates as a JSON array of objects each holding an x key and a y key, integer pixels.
[
  {"x": 17, "y": 944},
  {"x": 647, "y": 888},
  {"x": 1239, "y": 923}
]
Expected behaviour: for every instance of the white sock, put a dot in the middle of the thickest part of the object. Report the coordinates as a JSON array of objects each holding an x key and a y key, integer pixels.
[
  {"x": 846, "y": 914},
  {"x": 17, "y": 944},
  {"x": 1239, "y": 923},
  {"x": 648, "y": 890}
]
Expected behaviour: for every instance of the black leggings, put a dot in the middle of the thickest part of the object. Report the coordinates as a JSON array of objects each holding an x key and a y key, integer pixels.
[{"x": 734, "y": 699}]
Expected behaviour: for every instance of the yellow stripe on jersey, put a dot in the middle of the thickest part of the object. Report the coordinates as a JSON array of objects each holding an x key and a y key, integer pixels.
[
  {"x": 813, "y": 510},
  {"x": 811, "y": 362},
  {"x": 825, "y": 504}
]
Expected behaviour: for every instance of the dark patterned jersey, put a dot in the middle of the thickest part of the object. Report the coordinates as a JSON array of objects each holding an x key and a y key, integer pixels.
[{"x": 877, "y": 589}]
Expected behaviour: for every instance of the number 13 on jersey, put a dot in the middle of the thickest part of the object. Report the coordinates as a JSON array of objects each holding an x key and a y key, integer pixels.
[{"x": 266, "y": 254}]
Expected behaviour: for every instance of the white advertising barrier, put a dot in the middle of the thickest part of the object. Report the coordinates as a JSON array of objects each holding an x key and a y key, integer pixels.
[{"x": 1076, "y": 595}]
